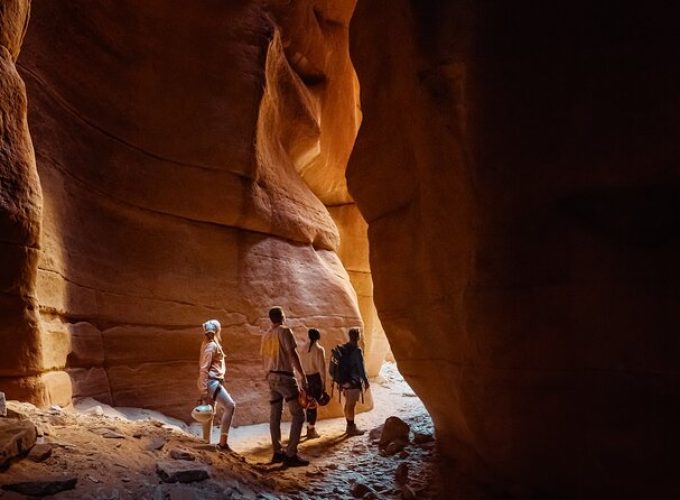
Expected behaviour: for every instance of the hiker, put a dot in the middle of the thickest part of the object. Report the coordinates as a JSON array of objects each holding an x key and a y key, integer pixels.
[
  {"x": 281, "y": 359},
  {"x": 314, "y": 363},
  {"x": 211, "y": 381},
  {"x": 349, "y": 374}
]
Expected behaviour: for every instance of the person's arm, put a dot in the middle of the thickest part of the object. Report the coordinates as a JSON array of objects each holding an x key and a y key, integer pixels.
[
  {"x": 298, "y": 367},
  {"x": 362, "y": 369},
  {"x": 322, "y": 365},
  {"x": 291, "y": 349},
  {"x": 203, "y": 369}
]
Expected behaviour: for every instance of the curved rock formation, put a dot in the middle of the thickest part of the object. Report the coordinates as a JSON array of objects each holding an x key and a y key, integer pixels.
[
  {"x": 20, "y": 216},
  {"x": 517, "y": 169},
  {"x": 186, "y": 157}
]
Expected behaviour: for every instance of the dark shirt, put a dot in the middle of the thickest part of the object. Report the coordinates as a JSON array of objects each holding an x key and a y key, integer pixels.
[{"x": 357, "y": 369}]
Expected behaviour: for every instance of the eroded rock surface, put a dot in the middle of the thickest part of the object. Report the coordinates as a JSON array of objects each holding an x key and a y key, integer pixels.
[
  {"x": 186, "y": 157},
  {"x": 20, "y": 216},
  {"x": 517, "y": 166}
]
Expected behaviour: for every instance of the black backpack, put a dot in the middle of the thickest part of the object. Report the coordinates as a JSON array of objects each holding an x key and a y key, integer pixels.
[{"x": 340, "y": 367}]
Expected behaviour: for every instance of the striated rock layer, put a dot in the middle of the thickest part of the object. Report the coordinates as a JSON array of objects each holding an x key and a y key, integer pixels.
[
  {"x": 20, "y": 217},
  {"x": 186, "y": 157},
  {"x": 517, "y": 166}
]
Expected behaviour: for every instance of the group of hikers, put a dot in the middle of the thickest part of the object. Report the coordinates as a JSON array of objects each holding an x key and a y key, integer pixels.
[{"x": 296, "y": 376}]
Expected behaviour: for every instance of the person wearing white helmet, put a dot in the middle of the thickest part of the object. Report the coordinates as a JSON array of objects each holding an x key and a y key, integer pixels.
[{"x": 211, "y": 381}]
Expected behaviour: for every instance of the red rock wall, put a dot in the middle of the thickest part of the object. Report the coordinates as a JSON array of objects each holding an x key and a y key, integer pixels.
[
  {"x": 517, "y": 166},
  {"x": 186, "y": 157},
  {"x": 20, "y": 214}
]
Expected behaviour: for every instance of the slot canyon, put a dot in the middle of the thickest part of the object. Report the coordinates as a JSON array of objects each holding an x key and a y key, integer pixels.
[{"x": 489, "y": 190}]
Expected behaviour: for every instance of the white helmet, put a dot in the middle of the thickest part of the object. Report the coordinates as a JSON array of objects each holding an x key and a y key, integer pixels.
[
  {"x": 202, "y": 413},
  {"x": 212, "y": 326}
]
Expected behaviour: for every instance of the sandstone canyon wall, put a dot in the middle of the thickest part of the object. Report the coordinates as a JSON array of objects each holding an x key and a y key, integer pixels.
[
  {"x": 187, "y": 154},
  {"x": 20, "y": 218},
  {"x": 517, "y": 166}
]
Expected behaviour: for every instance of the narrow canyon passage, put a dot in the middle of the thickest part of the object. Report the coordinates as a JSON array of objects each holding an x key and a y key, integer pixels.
[{"x": 489, "y": 190}]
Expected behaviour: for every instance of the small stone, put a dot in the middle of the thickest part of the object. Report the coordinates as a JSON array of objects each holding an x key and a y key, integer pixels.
[
  {"x": 138, "y": 435},
  {"x": 104, "y": 493},
  {"x": 394, "y": 447},
  {"x": 96, "y": 410},
  {"x": 394, "y": 429},
  {"x": 359, "y": 449},
  {"x": 422, "y": 437},
  {"x": 94, "y": 479},
  {"x": 375, "y": 433},
  {"x": 113, "y": 435},
  {"x": 404, "y": 454},
  {"x": 332, "y": 466},
  {"x": 359, "y": 490},
  {"x": 41, "y": 488},
  {"x": 156, "y": 444},
  {"x": 401, "y": 474},
  {"x": 407, "y": 493},
  {"x": 40, "y": 452},
  {"x": 3, "y": 405},
  {"x": 174, "y": 472},
  {"x": 179, "y": 454}
]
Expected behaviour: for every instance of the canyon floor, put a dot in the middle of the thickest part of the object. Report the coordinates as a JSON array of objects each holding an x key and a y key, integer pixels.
[{"x": 131, "y": 453}]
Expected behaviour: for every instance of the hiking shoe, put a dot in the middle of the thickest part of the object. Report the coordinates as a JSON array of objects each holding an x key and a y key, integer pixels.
[
  {"x": 353, "y": 430},
  {"x": 312, "y": 434},
  {"x": 295, "y": 461},
  {"x": 278, "y": 457}
]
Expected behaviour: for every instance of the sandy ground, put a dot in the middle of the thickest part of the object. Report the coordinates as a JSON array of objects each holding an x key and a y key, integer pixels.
[{"x": 115, "y": 453}]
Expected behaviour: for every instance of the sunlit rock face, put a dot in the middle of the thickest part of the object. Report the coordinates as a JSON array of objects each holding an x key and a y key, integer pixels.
[
  {"x": 20, "y": 202},
  {"x": 517, "y": 166},
  {"x": 186, "y": 156}
]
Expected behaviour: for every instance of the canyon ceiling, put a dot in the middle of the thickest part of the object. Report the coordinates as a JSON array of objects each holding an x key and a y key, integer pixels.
[{"x": 515, "y": 171}]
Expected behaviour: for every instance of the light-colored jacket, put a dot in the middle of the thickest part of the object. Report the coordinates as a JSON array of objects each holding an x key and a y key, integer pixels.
[
  {"x": 314, "y": 360},
  {"x": 210, "y": 365}
]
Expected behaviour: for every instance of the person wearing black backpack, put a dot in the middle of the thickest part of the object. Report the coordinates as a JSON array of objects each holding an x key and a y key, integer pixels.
[{"x": 349, "y": 375}]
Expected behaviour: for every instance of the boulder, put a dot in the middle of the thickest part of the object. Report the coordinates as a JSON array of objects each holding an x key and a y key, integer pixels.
[
  {"x": 173, "y": 472},
  {"x": 17, "y": 436},
  {"x": 3, "y": 405},
  {"x": 422, "y": 437},
  {"x": 394, "y": 429},
  {"x": 40, "y": 452},
  {"x": 42, "y": 487}
]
